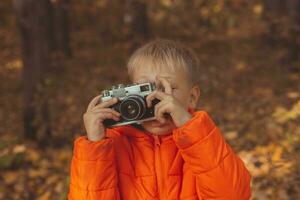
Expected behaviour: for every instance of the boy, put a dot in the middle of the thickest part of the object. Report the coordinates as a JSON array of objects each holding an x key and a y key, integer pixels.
[{"x": 182, "y": 156}]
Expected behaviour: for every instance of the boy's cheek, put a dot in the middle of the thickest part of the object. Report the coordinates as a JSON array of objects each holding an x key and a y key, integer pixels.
[{"x": 183, "y": 99}]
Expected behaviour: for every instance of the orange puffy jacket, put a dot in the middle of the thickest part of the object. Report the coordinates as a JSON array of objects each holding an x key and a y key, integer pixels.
[{"x": 194, "y": 162}]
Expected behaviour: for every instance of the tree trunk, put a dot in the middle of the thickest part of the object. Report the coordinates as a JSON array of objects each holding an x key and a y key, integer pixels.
[
  {"x": 293, "y": 8},
  {"x": 283, "y": 19},
  {"x": 274, "y": 11},
  {"x": 136, "y": 19},
  {"x": 34, "y": 19},
  {"x": 61, "y": 26}
]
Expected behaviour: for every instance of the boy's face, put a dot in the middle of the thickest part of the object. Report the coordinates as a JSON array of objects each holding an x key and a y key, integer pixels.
[{"x": 181, "y": 89}]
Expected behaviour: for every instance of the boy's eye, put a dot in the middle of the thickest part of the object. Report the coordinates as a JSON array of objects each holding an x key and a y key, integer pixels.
[{"x": 161, "y": 88}]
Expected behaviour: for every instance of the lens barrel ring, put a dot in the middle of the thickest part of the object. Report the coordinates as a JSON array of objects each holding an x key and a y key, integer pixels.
[{"x": 133, "y": 107}]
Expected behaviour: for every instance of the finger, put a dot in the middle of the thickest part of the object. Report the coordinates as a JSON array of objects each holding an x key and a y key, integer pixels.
[
  {"x": 165, "y": 83},
  {"x": 157, "y": 106},
  {"x": 94, "y": 102},
  {"x": 155, "y": 95},
  {"x": 107, "y": 103},
  {"x": 161, "y": 111},
  {"x": 103, "y": 110},
  {"x": 98, "y": 115},
  {"x": 159, "y": 116},
  {"x": 104, "y": 116}
]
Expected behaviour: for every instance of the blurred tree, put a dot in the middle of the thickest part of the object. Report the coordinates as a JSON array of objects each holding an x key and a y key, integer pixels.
[
  {"x": 283, "y": 19},
  {"x": 136, "y": 18},
  {"x": 293, "y": 7},
  {"x": 34, "y": 19},
  {"x": 61, "y": 26},
  {"x": 3, "y": 14}
]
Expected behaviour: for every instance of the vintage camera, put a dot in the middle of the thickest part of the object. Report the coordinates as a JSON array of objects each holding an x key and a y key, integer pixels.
[{"x": 131, "y": 103}]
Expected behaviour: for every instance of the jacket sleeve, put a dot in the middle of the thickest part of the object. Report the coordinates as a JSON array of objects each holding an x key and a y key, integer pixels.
[
  {"x": 93, "y": 170},
  {"x": 220, "y": 174}
]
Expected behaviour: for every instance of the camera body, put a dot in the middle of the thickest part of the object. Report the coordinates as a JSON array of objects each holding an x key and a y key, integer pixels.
[{"x": 131, "y": 103}]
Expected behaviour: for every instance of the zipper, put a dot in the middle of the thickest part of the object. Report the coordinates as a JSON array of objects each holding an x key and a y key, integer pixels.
[{"x": 159, "y": 167}]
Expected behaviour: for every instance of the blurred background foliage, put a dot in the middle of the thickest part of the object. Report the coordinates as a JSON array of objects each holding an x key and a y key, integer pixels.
[{"x": 55, "y": 56}]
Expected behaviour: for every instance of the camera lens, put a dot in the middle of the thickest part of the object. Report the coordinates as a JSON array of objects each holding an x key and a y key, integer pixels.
[{"x": 132, "y": 108}]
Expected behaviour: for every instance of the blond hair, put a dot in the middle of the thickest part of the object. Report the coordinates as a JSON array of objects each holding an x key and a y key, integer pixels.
[{"x": 161, "y": 53}]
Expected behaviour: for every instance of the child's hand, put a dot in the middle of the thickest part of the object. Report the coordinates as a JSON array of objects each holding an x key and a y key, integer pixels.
[
  {"x": 168, "y": 104},
  {"x": 96, "y": 114}
]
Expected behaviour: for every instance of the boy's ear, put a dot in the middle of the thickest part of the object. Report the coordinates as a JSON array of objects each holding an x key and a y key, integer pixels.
[{"x": 194, "y": 97}]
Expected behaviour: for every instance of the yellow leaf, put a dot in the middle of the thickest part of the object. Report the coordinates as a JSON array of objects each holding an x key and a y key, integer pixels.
[
  {"x": 277, "y": 154},
  {"x": 231, "y": 135},
  {"x": 240, "y": 66},
  {"x": 16, "y": 64},
  {"x": 10, "y": 177},
  {"x": 258, "y": 9},
  {"x": 45, "y": 196},
  {"x": 19, "y": 148},
  {"x": 293, "y": 95}
]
